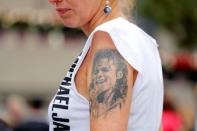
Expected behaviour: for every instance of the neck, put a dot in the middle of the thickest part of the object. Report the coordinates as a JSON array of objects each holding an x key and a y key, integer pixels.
[{"x": 101, "y": 17}]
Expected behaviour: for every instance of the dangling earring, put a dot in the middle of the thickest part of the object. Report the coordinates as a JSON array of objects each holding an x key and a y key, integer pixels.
[{"x": 107, "y": 8}]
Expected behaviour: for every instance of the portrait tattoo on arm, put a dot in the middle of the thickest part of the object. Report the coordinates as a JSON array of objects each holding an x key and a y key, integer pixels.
[{"x": 108, "y": 86}]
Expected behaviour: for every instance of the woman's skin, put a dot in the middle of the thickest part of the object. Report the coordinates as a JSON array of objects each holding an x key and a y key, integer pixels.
[
  {"x": 86, "y": 14},
  {"x": 109, "y": 104},
  {"x": 110, "y": 112}
]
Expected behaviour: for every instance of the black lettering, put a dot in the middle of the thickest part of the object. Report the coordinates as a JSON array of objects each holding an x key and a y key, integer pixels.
[
  {"x": 73, "y": 66},
  {"x": 71, "y": 75},
  {"x": 60, "y": 127},
  {"x": 62, "y": 124},
  {"x": 63, "y": 91},
  {"x": 71, "y": 69},
  {"x": 76, "y": 60},
  {"x": 55, "y": 118},
  {"x": 67, "y": 81},
  {"x": 60, "y": 98},
  {"x": 59, "y": 106}
]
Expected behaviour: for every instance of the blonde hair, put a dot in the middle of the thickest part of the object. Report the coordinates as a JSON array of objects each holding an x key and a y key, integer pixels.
[{"x": 127, "y": 7}]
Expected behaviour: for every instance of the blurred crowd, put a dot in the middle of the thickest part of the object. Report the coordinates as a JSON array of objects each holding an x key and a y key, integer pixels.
[{"x": 24, "y": 114}]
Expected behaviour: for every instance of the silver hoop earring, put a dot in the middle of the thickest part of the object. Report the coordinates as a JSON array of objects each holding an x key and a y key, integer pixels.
[{"x": 107, "y": 8}]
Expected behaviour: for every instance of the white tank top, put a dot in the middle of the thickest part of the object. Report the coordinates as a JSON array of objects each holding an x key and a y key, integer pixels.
[{"x": 69, "y": 111}]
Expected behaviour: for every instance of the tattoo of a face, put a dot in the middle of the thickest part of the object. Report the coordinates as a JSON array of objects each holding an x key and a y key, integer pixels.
[{"x": 108, "y": 87}]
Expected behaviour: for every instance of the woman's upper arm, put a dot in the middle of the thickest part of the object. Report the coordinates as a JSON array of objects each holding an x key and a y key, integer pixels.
[{"x": 110, "y": 81}]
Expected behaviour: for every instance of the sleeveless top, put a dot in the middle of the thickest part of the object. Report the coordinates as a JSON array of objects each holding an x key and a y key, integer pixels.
[{"x": 69, "y": 111}]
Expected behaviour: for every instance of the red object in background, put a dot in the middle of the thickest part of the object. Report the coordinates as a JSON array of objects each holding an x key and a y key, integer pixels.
[
  {"x": 183, "y": 62},
  {"x": 171, "y": 121}
]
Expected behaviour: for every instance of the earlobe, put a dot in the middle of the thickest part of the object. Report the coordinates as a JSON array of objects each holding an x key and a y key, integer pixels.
[
  {"x": 107, "y": 8},
  {"x": 119, "y": 75}
]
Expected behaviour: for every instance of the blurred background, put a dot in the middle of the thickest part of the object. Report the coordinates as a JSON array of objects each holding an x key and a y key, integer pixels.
[{"x": 36, "y": 50}]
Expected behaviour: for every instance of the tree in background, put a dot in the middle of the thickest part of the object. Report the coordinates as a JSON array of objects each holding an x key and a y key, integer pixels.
[{"x": 178, "y": 16}]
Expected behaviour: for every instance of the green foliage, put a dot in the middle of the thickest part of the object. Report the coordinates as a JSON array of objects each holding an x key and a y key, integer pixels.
[{"x": 178, "y": 16}]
